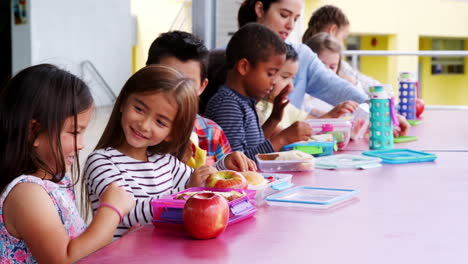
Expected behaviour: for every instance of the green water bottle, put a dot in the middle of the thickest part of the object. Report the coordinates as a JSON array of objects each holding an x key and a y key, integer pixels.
[{"x": 381, "y": 129}]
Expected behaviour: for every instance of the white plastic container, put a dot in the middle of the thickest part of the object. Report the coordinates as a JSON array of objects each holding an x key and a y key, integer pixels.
[
  {"x": 282, "y": 182},
  {"x": 285, "y": 165},
  {"x": 339, "y": 128}
]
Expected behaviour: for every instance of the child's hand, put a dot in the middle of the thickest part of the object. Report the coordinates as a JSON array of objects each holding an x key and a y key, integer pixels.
[
  {"x": 403, "y": 129},
  {"x": 200, "y": 175},
  {"x": 237, "y": 161},
  {"x": 298, "y": 131},
  {"x": 119, "y": 198},
  {"x": 279, "y": 103},
  {"x": 345, "y": 107}
]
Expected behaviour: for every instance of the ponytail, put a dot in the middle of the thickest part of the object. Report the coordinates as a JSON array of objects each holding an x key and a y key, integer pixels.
[
  {"x": 323, "y": 17},
  {"x": 247, "y": 13}
]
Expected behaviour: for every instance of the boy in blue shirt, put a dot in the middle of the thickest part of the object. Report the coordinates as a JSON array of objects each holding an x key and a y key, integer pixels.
[{"x": 254, "y": 56}]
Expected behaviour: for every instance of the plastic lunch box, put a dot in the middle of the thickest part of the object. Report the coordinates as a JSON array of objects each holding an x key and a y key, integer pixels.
[
  {"x": 339, "y": 128},
  {"x": 168, "y": 211},
  {"x": 314, "y": 148},
  {"x": 282, "y": 181},
  {"x": 285, "y": 165}
]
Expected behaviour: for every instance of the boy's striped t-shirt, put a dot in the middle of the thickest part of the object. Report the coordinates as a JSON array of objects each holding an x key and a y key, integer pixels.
[
  {"x": 145, "y": 180},
  {"x": 237, "y": 116}
]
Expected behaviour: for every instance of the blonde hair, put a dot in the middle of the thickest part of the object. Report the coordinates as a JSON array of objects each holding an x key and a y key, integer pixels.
[{"x": 324, "y": 41}]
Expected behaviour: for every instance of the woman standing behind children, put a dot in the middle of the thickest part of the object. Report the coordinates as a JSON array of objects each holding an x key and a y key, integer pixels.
[
  {"x": 254, "y": 55},
  {"x": 312, "y": 77},
  {"x": 152, "y": 118},
  {"x": 44, "y": 112}
]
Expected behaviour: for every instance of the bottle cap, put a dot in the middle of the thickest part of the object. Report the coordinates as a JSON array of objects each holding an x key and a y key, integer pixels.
[
  {"x": 379, "y": 92},
  {"x": 407, "y": 77}
]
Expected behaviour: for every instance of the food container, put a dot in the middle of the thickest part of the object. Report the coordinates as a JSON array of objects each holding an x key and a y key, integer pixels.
[
  {"x": 339, "y": 128},
  {"x": 360, "y": 122},
  {"x": 315, "y": 197},
  {"x": 284, "y": 165},
  {"x": 314, "y": 148},
  {"x": 168, "y": 211},
  {"x": 282, "y": 181}
]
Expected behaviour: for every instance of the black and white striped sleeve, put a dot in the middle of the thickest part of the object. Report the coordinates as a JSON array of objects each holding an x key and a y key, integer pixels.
[
  {"x": 181, "y": 174},
  {"x": 100, "y": 172}
]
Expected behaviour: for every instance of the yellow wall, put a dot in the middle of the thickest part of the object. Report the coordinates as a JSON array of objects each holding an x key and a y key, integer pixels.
[
  {"x": 153, "y": 18},
  {"x": 442, "y": 89},
  {"x": 406, "y": 22}
]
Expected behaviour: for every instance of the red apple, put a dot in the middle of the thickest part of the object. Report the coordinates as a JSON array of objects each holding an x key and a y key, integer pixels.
[
  {"x": 419, "y": 107},
  {"x": 226, "y": 180},
  {"x": 206, "y": 215}
]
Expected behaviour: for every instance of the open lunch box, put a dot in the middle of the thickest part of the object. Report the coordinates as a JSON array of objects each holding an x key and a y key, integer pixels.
[
  {"x": 280, "y": 193},
  {"x": 339, "y": 128},
  {"x": 168, "y": 211},
  {"x": 280, "y": 181},
  {"x": 273, "y": 165}
]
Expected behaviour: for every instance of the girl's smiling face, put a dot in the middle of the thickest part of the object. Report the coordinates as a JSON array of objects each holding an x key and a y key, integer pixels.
[
  {"x": 146, "y": 121},
  {"x": 43, "y": 144}
]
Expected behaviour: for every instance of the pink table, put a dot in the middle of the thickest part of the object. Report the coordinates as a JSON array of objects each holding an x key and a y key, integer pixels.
[
  {"x": 410, "y": 213},
  {"x": 441, "y": 130}
]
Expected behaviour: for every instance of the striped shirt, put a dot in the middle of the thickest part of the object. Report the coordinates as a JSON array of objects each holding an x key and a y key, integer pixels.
[
  {"x": 237, "y": 115},
  {"x": 145, "y": 180}
]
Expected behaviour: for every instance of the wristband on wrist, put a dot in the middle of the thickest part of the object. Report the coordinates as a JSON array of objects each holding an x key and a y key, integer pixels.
[{"x": 113, "y": 208}]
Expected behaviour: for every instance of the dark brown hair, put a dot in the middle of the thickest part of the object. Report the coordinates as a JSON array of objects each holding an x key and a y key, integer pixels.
[
  {"x": 217, "y": 71},
  {"x": 324, "y": 41},
  {"x": 156, "y": 79},
  {"x": 181, "y": 45},
  {"x": 323, "y": 17},
  {"x": 246, "y": 13},
  {"x": 48, "y": 96}
]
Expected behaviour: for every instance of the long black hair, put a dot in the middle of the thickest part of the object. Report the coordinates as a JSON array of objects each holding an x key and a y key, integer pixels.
[{"x": 38, "y": 99}]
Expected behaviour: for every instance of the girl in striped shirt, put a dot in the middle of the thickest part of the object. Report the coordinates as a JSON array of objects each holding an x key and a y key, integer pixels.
[{"x": 147, "y": 134}]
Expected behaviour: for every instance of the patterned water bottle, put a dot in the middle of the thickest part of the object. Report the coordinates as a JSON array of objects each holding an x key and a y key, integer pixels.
[
  {"x": 381, "y": 129},
  {"x": 407, "y": 95}
]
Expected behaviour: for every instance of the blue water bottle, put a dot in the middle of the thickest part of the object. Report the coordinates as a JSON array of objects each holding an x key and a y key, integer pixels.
[
  {"x": 381, "y": 129},
  {"x": 407, "y": 95}
]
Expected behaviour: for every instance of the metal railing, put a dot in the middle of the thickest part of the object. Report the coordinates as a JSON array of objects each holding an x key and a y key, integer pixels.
[
  {"x": 107, "y": 89},
  {"x": 423, "y": 53}
]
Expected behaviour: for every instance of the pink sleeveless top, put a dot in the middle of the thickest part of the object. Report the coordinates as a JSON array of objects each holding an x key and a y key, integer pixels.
[{"x": 14, "y": 250}]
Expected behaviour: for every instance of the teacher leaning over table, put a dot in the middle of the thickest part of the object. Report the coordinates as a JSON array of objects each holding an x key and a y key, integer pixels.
[{"x": 312, "y": 76}]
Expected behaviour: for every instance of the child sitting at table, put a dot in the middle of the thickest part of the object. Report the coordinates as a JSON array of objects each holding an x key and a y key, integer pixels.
[
  {"x": 44, "y": 112},
  {"x": 254, "y": 56},
  {"x": 187, "y": 53},
  {"x": 332, "y": 20},
  {"x": 275, "y": 113},
  {"x": 151, "y": 119}
]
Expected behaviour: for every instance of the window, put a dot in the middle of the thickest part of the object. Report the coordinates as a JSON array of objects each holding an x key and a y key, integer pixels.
[
  {"x": 447, "y": 65},
  {"x": 353, "y": 43}
]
